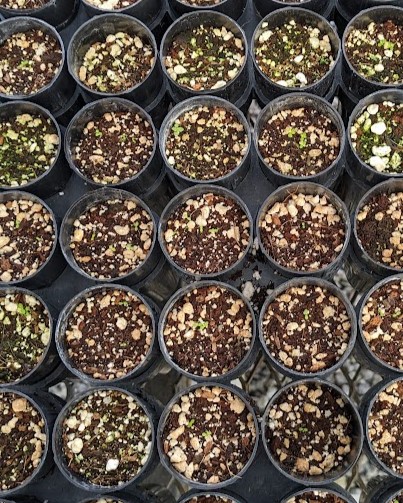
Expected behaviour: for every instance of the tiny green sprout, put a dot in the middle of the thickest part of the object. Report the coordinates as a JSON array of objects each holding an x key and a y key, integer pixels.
[
  {"x": 177, "y": 129},
  {"x": 136, "y": 225},
  {"x": 123, "y": 303},
  {"x": 206, "y": 434},
  {"x": 200, "y": 325},
  {"x": 381, "y": 42},
  {"x": 303, "y": 225},
  {"x": 123, "y": 137},
  {"x": 17, "y": 224},
  {"x": 38, "y": 239},
  {"x": 306, "y": 314},
  {"x": 129, "y": 246},
  {"x": 186, "y": 216},
  {"x": 193, "y": 42},
  {"x": 98, "y": 133},
  {"x": 214, "y": 230},
  {"x": 303, "y": 140},
  {"x": 23, "y": 310},
  {"x": 93, "y": 236},
  {"x": 291, "y": 132},
  {"x": 201, "y": 229},
  {"x": 112, "y": 248},
  {"x": 396, "y": 313},
  {"x": 381, "y": 312},
  {"x": 191, "y": 423},
  {"x": 24, "y": 64},
  {"x": 303, "y": 430}
]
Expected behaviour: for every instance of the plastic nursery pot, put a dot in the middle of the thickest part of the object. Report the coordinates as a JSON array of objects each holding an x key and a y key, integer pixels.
[
  {"x": 164, "y": 459},
  {"x": 61, "y": 459},
  {"x": 178, "y": 201},
  {"x": 329, "y": 176},
  {"x": 144, "y": 10},
  {"x": 146, "y": 177},
  {"x": 305, "y": 188},
  {"x": 243, "y": 364},
  {"x": 386, "y": 490},
  {"x": 267, "y": 88},
  {"x": 21, "y": 499},
  {"x": 264, "y": 7},
  {"x": 116, "y": 497},
  {"x": 230, "y": 180},
  {"x": 53, "y": 266},
  {"x": 333, "y": 291},
  {"x": 349, "y": 9},
  {"x": 55, "y": 177},
  {"x": 229, "y": 496},
  {"x": 231, "y": 8},
  {"x": 59, "y": 91},
  {"x": 356, "y": 444},
  {"x": 235, "y": 88},
  {"x": 358, "y": 85},
  {"x": 97, "y": 29},
  {"x": 334, "y": 490},
  {"x": 85, "y": 204}
]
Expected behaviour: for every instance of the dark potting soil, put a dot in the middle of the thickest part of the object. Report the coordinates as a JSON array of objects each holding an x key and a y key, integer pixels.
[
  {"x": 112, "y": 4},
  {"x": 105, "y": 500},
  {"x": 317, "y": 496},
  {"x": 23, "y": 4},
  {"x": 210, "y": 499},
  {"x": 202, "y": 3}
]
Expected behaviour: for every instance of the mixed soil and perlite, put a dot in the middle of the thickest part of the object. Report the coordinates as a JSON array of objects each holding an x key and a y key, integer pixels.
[
  {"x": 28, "y": 147},
  {"x": 307, "y": 328},
  {"x": 210, "y": 499},
  {"x": 377, "y": 136},
  {"x": 299, "y": 142},
  {"x": 206, "y": 142},
  {"x": 397, "y": 499},
  {"x": 22, "y": 440},
  {"x": 294, "y": 54},
  {"x": 114, "y": 147},
  {"x": 317, "y": 496},
  {"x": 116, "y": 64},
  {"x": 112, "y": 238},
  {"x": 112, "y": 4},
  {"x": 108, "y": 334},
  {"x": 201, "y": 3},
  {"x": 106, "y": 438},
  {"x": 27, "y": 236},
  {"x": 23, "y": 4},
  {"x": 376, "y": 51},
  {"x": 208, "y": 331},
  {"x": 25, "y": 329},
  {"x": 207, "y": 234},
  {"x": 382, "y": 323},
  {"x": 309, "y": 430},
  {"x": 385, "y": 427},
  {"x": 303, "y": 232},
  {"x": 380, "y": 228},
  {"x": 205, "y": 57},
  {"x": 209, "y": 435},
  {"x": 104, "y": 500},
  {"x": 29, "y": 61}
]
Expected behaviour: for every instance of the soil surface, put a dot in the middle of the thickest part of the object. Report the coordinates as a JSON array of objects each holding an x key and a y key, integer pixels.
[{"x": 317, "y": 496}]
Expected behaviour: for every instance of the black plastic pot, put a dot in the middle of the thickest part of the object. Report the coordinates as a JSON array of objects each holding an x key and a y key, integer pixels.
[
  {"x": 121, "y": 498},
  {"x": 97, "y": 29},
  {"x": 333, "y": 489},
  {"x": 54, "y": 264},
  {"x": 385, "y": 490},
  {"x": 324, "y": 8},
  {"x": 349, "y": 9},
  {"x": 306, "y": 188},
  {"x": 232, "y": 179},
  {"x": 21, "y": 499},
  {"x": 80, "y": 207},
  {"x": 235, "y": 88},
  {"x": 333, "y": 290},
  {"x": 353, "y": 81},
  {"x": 144, "y": 10},
  {"x": 327, "y": 177},
  {"x": 231, "y": 8},
  {"x": 332, "y": 476},
  {"x": 267, "y": 88},
  {"x": 234, "y": 498}
]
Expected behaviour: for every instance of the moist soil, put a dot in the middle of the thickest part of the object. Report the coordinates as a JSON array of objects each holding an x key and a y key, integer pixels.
[
  {"x": 108, "y": 334},
  {"x": 206, "y": 142},
  {"x": 382, "y": 323},
  {"x": 380, "y": 227},
  {"x": 303, "y": 58},
  {"x": 303, "y": 232},
  {"x": 205, "y": 57},
  {"x": 114, "y": 147},
  {"x": 317, "y": 496},
  {"x": 106, "y": 438},
  {"x": 112, "y": 4},
  {"x": 299, "y": 142},
  {"x": 105, "y": 500},
  {"x": 376, "y": 52},
  {"x": 309, "y": 430},
  {"x": 210, "y": 499},
  {"x": 26, "y": 240},
  {"x": 314, "y": 325},
  {"x": 23, "y": 4},
  {"x": 29, "y": 61},
  {"x": 22, "y": 440},
  {"x": 207, "y": 234},
  {"x": 112, "y": 238},
  {"x": 208, "y": 331},
  {"x": 202, "y": 3},
  {"x": 25, "y": 328},
  {"x": 28, "y": 147},
  {"x": 209, "y": 435}
]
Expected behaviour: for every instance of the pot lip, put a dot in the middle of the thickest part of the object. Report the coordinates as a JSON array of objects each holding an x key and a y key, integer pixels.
[
  {"x": 179, "y": 110},
  {"x": 334, "y": 290},
  {"x": 179, "y": 294},
  {"x": 103, "y": 195},
  {"x": 161, "y": 425},
  {"x": 295, "y": 11},
  {"x": 308, "y": 188},
  {"x": 219, "y": 16},
  {"x": 5, "y": 290},
  {"x": 347, "y": 31},
  {"x": 47, "y": 444},
  {"x": 354, "y": 412},
  {"x": 29, "y": 12},
  {"x": 61, "y": 326},
  {"x": 358, "y": 109},
  {"x": 47, "y": 115},
  {"x": 56, "y": 444},
  {"x": 284, "y": 99},
  {"x": 186, "y": 498},
  {"x": 379, "y": 188},
  {"x": 47, "y": 28},
  {"x": 332, "y": 490},
  {"x": 201, "y": 8},
  {"x": 181, "y": 198},
  {"x": 390, "y": 279},
  {"x": 18, "y": 195},
  {"x": 97, "y": 20},
  {"x": 122, "y": 10},
  {"x": 130, "y": 107},
  {"x": 91, "y": 499}
]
